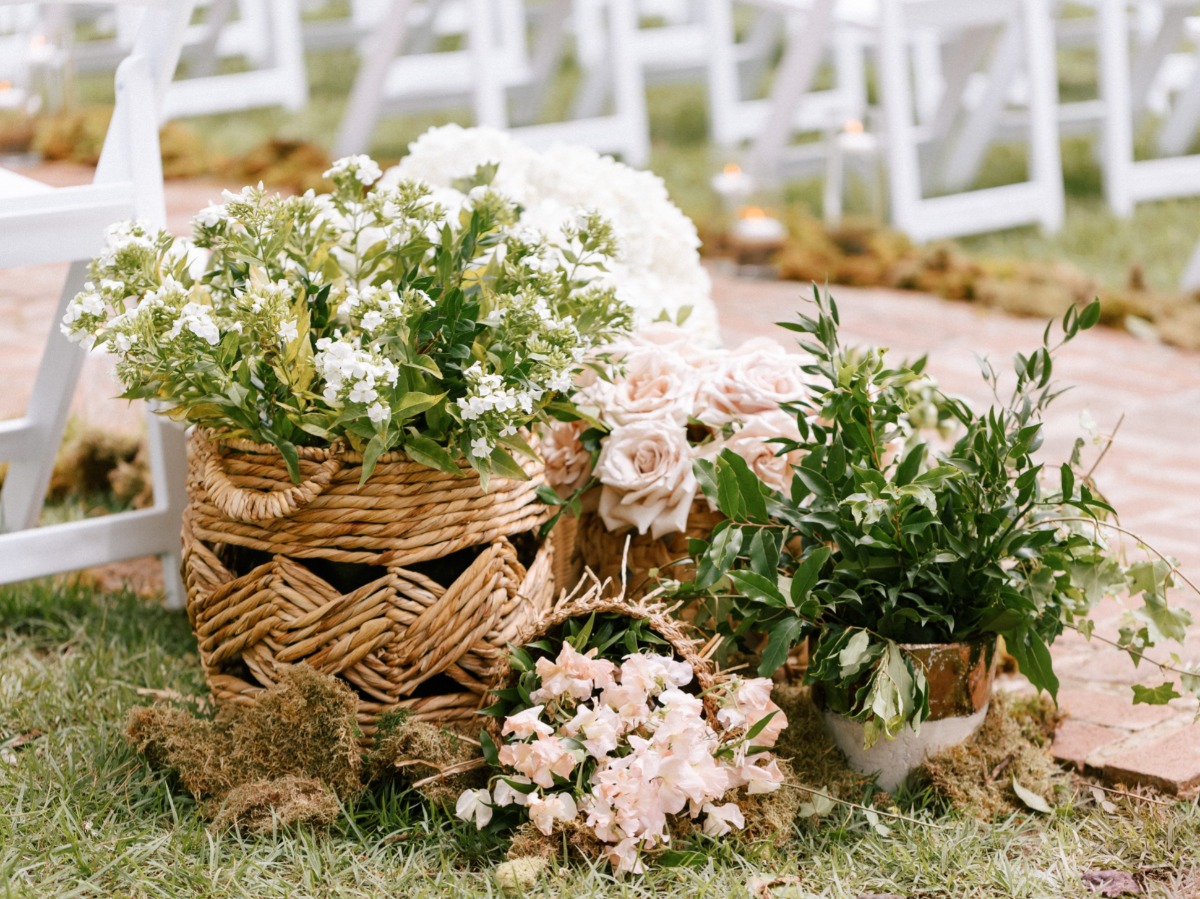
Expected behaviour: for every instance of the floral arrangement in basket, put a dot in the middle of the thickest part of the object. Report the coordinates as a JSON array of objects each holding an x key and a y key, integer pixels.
[
  {"x": 654, "y": 404},
  {"x": 656, "y": 267},
  {"x": 611, "y": 725},
  {"x": 397, "y": 317}
]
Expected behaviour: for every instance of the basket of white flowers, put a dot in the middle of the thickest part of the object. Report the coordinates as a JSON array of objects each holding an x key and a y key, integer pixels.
[{"x": 362, "y": 369}]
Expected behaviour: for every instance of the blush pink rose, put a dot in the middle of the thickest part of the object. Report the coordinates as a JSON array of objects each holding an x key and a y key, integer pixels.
[
  {"x": 651, "y": 383},
  {"x": 568, "y": 464},
  {"x": 645, "y": 472},
  {"x": 756, "y": 378},
  {"x": 750, "y": 441}
]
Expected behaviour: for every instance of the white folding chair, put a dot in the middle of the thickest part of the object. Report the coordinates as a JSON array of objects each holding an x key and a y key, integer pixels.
[
  {"x": 1127, "y": 78},
  {"x": 40, "y": 225},
  {"x": 265, "y": 33},
  {"x": 1013, "y": 39},
  {"x": 809, "y": 31},
  {"x": 499, "y": 62}
]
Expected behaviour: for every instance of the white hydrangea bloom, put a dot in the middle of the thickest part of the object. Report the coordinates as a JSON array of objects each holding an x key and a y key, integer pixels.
[{"x": 658, "y": 266}]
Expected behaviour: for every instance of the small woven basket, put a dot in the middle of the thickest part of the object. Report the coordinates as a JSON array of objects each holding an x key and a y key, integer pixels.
[
  {"x": 594, "y": 600},
  {"x": 408, "y": 588},
  {"x": 603, "y": 551}
]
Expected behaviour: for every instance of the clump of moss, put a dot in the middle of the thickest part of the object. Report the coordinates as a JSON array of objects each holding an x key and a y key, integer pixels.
[
  {"x": 814, "y": 758},
  {"x": 87, "y": 460},
  {"x": 1013, "y": 743},
  {"x": 303, "y": 729},
  {"x": 262, "y": 805},
  {"x": 870, "y": 256},
  {"x": 433, "y": 760},
  {"x": 770, "y": 817},
  {"x": 291, "y": 164}
]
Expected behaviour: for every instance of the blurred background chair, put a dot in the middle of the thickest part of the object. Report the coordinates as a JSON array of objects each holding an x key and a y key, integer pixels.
[
  {"x": 510, "y": 53},
  {"x": 39, "y": 225}
]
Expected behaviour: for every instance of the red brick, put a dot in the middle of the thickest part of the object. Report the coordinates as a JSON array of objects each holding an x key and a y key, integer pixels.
[
  {"x": 1170, "y": 763},
  {"x": 1075, "y": 741},
  {"x": 1112, "y": 710}
]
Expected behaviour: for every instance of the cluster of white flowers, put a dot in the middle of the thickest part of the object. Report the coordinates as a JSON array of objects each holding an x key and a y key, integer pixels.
[
  {"x": 354, "y": 374},
  {"x": 356, "y": 313},
  {"x": 644, "y": 746},
  {"x": 657, "y": 266},
  {"x": 668, "y": 403}
]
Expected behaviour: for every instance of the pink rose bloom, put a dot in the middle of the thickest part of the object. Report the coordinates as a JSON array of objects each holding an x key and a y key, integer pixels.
[
  {"x": 653, "y": 384},
  {"x": 568, "y": 464},
  {"x": 669, "y": 336},
  {"x": 645, "y": 470},
  {"x": 748, "y": 382},
  {"x": 526, "y": 724},
  {"x": 750, "y": 442}
]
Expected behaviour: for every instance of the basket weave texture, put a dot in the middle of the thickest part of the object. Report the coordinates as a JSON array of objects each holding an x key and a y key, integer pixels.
[
  {"x": 415, "y": 630},
  {"x": 603, "y": 551},
  {"x": 595, "y": 601}
]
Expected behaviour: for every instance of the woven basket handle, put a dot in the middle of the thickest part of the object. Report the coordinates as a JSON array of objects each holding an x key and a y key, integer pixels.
[{"x": 242, "y": 504}]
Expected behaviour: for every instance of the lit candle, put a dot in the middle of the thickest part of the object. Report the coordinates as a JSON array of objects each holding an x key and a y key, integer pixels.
[
  {"x": 756, "y": 226},
  {"x": 733, "y": 184},
  {"x": 39, "y": 50},
  {"x": 11, "y": 97},
  {"x": 855, "y": 140}
]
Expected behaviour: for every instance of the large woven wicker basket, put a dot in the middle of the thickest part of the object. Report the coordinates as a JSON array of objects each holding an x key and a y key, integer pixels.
[
  {"x": 409, "y": 588},
  {"x": 638, "y": 565}
]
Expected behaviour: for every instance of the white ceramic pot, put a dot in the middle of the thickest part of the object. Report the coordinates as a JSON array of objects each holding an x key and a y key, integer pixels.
[{"x": 959, "y": 678}]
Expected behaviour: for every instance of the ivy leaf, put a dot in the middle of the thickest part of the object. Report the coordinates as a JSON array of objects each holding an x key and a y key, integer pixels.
[
  {"x": 1033, "y": 658},
  {"x": 1160, "y": 695}
]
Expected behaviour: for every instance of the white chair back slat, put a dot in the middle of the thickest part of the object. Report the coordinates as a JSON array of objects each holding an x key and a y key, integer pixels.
[{"x": 40, "y": 224}]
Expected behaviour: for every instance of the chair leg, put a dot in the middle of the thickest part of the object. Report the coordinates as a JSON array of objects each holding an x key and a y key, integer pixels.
[{"x": 24, "y": 491}]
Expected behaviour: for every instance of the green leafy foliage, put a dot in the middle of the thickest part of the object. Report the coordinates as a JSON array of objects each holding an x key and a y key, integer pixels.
[{"x": 890, "y": 537}]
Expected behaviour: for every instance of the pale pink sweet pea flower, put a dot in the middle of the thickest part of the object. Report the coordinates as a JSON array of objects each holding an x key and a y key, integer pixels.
[
  {"x": 545, "y": 810},
  {"x": 645, "y": 472},
  {"x": 572, "y": 674},
  {"x": 719, "y": 820},
  {"x": 765, "y": 778},
  {"x": 547, "y": 758},
  {"x": 507, "y": 794},
  {"x": 475, "y": 804},
  {"x": 746, "y": 702},
  {"x": 600, "y": 726},
  {"x": 625, "y": 857},
  {"x": 526, "y": 724},
  {"x": 651, "y": 674}
]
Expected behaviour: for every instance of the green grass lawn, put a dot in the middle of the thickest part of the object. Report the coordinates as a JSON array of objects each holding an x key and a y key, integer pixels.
[{"x": 82, "y": 815}]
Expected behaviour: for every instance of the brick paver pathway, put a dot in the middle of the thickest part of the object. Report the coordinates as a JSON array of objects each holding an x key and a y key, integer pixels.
[{"x": 1151, "y": 473}]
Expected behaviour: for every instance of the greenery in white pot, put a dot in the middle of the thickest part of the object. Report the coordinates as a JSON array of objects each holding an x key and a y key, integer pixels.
[
  {"x": 885, "y": 538},
  {"x": 398, "y": 317}
]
